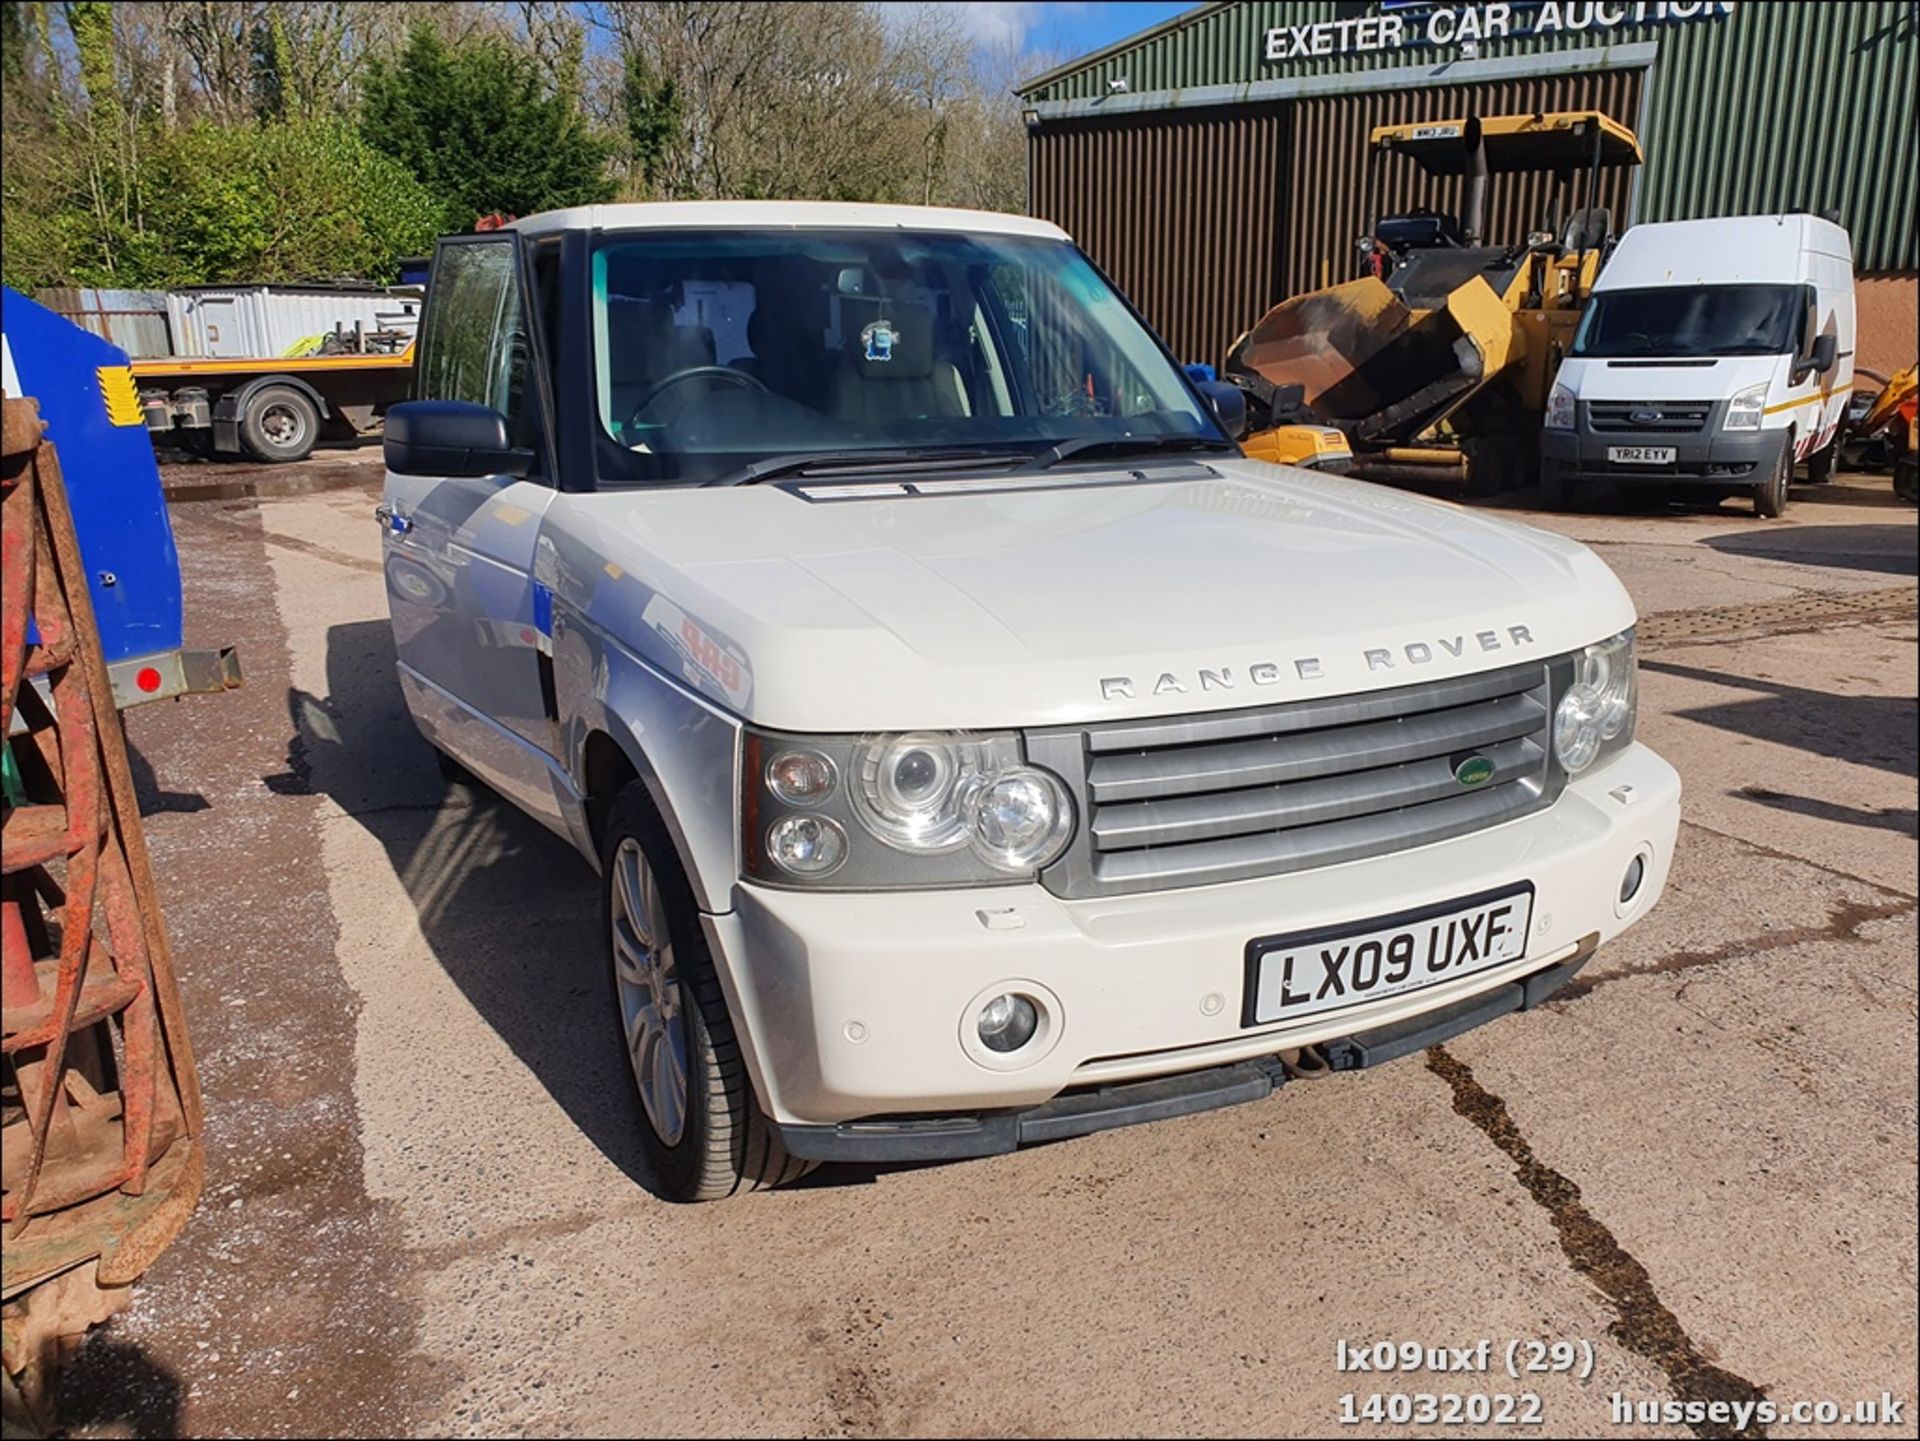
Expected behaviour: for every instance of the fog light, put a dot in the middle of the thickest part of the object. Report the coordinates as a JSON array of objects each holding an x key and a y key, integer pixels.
[
  {"x": 1007, "y": 1023},
  {"x": 1630, "y": 882}
]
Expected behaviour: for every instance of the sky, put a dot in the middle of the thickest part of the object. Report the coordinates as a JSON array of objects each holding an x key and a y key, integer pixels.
[{"x": 1062, "y": 29}]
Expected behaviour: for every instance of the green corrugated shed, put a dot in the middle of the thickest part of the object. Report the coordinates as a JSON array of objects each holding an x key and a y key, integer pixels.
[{"x": 1773, "y": 106}]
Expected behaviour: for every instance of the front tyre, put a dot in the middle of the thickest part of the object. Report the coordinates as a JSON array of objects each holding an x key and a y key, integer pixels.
[
  {"x": 702, "y": 1129},
  {"x": 1770, "y": 499}
]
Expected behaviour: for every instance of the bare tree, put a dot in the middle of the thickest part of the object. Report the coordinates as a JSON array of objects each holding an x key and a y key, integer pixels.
[{"x": 821, "y": 101}]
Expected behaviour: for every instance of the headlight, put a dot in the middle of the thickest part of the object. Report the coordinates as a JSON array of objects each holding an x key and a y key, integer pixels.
[
  {"x": 1560, "y": 409},
  {"x": 1019, "y": 818},
  {"x": 1746, "y": 408},
  {"x": 905, "y": 809},
  {"x": 1597, "y": 712},
  {"x": 908, "y": 789}
]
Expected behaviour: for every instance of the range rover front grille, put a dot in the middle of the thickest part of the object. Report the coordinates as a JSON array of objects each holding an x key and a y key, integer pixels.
[
  {"x": 1648, "y": 417},
  {"x": 1231, "y": 795}
]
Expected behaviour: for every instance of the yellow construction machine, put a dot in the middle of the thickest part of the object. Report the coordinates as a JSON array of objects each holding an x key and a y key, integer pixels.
[
  {"x": 1437, "y": 362},
  {"x": 1894, "y": 416}
]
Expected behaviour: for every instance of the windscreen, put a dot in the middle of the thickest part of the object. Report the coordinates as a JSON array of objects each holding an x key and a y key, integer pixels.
[
  {"x": 714, "y": 350},
  {"x": 1704, "y": 320}
]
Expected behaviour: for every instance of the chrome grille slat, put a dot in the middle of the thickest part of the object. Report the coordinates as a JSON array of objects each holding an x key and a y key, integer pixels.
[
  {"x": 1298, "y": 803},
  {"x": 1339, "y": 750},
  {"x": 1278, "y": 852},
  {"x": 1314, "y": 714},
  {"x": 1267, "y": 790}
]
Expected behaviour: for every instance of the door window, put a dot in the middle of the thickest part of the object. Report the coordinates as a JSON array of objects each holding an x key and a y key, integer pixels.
[{"x": 473, "y": 342}]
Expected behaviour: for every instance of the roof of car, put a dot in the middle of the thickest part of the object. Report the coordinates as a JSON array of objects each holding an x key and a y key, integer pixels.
[{"x": 781, "y": 214}]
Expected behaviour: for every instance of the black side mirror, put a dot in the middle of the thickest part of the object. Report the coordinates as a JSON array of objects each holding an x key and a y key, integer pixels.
[
  {"x": 1229, "y": 404},
  {"x": 1289, "y": 404},
  {"x": 1826, "y": 349},
  {"x": 451, "y": 438}
]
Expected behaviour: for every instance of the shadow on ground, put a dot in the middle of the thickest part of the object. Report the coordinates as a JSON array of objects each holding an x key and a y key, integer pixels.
[
  {"x": 111, "y": 1387},
  {"x": 147, "y": 786},
  {"x": 511, "y": 912},
  {"x": 1883, "y": 549},
  {"x": 1903, "y": 819},
  {"x": 1868, "y": 730}
]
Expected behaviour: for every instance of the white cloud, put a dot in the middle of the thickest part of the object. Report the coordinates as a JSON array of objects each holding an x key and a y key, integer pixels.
[
  {"x": 992, "y": 24},
  {"x": 997, "y": 24}
]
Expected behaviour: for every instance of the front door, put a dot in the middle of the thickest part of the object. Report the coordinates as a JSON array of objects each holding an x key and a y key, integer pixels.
[{"x": 470, "y": 628}]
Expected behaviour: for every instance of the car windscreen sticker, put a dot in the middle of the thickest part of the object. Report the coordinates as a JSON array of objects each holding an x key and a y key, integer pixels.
[{"x": 878, "y": 339}]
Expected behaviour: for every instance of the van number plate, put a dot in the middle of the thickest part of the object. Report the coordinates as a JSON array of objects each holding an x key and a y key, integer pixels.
[
  {"x": 1641, "y": 454},
  {"x": 1310, "y": 972}
]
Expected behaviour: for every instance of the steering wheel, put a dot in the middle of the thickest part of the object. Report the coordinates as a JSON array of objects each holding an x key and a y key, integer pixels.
[{"x": 696, "y": 372}]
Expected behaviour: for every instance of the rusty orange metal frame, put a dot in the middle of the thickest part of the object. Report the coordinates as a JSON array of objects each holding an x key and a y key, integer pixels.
[{"x": 100, "y": 1110}]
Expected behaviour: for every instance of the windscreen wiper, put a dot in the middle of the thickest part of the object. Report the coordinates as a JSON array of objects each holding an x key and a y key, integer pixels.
[
  {"x": 853, "y": 464},
  {"x": 1093, "y": 445}
]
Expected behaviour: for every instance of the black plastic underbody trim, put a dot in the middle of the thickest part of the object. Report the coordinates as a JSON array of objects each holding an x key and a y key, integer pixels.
[{"x": 1105, "y": 1108}]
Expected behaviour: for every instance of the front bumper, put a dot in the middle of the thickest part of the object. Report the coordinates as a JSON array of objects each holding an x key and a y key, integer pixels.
[
  {"x": 1131, "y": 1103},
  {"x": 1709, "y": 457},
  {"x": 859, "y": 1007}
]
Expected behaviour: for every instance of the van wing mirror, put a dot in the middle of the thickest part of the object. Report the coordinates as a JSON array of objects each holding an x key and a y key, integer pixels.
[
  {"x": 1826, "y": 349},
  {"x": 451, "y": 438}
]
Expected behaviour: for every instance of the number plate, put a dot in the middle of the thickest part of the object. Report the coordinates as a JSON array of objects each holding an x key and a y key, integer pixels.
[
  {"x": 1641, "y": 454},
  {"x": 1309, "y": 973}
]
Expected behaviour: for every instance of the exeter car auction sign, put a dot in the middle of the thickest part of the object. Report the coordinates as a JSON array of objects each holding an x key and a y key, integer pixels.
[{"x": 1470, "y": 24}]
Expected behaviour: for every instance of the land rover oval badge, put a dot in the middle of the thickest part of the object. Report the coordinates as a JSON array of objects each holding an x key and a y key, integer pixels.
[{"x": 1473, "y": 771}]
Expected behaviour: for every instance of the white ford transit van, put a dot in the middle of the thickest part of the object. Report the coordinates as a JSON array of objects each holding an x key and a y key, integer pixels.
[{"x": 1714, "y": 353}]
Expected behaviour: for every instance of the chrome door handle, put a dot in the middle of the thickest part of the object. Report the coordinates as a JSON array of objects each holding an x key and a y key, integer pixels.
[{"x": 391, "y": 520}]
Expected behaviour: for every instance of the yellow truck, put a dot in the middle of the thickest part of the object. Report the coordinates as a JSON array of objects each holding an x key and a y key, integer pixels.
[
  {"x": 1437, "y": 363},
  {"x": 268, "y": 408},
  {"x": 259, "y": 370}
]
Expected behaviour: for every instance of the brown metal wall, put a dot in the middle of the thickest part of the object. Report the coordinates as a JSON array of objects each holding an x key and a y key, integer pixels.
[
  {"x": 1181, "y": 209},
  {"x": 1207, "y": 218},
  {"x": 1329, "y": 199}
]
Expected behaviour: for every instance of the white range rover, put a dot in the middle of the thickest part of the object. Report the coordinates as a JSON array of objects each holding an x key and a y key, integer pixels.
[{"x": 975, "y": 747}]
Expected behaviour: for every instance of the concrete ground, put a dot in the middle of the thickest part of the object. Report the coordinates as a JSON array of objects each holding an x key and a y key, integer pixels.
[{"x": 426, "y": 1209}]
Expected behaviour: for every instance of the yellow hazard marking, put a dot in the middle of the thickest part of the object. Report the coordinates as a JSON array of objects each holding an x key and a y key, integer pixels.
[
  {"x": 613, "y": 571},
  {"x": 510, "y": 514},
  {"x": 123, "y": 400}
]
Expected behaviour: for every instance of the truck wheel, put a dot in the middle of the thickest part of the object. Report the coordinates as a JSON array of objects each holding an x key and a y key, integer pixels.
[
  {"x": 701, "y": 1127},
  {"x": 1906, "y": 480},
  {"x": 1770, "y": 499},
  {"x": 280, "y": 425}
]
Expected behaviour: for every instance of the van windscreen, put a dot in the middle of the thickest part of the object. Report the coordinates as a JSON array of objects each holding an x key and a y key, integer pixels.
[{"x": 1702, "y": 320}]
